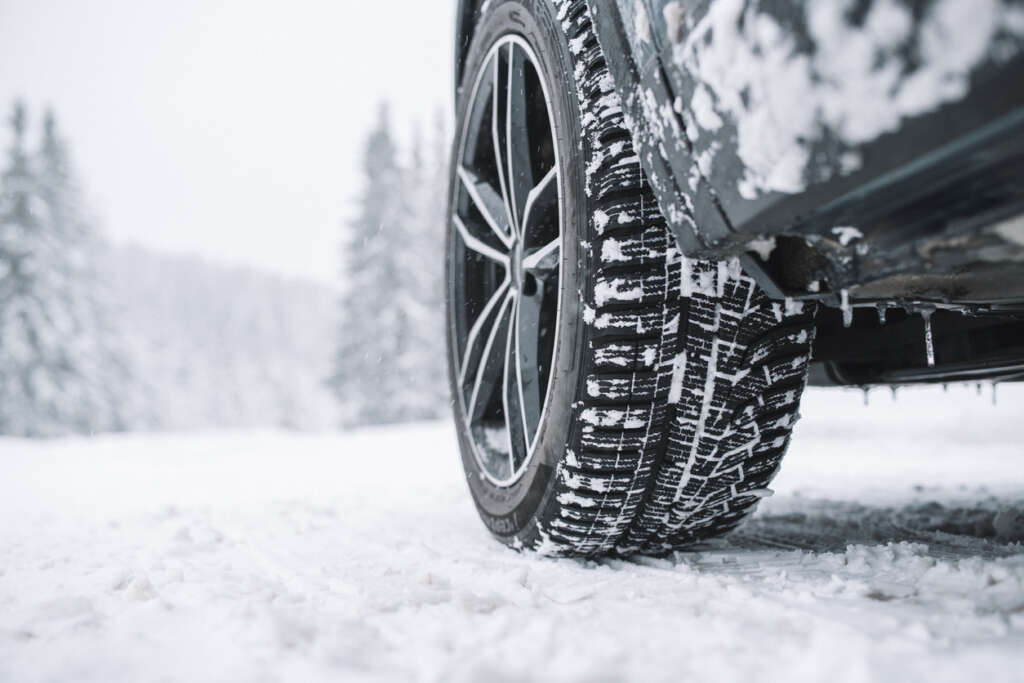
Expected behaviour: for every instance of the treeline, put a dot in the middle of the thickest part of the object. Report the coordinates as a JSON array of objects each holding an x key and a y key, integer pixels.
[
  {"x": 97, "y": 339},
  {"x": 214, "y": 346},
  {"x": 390, "y": 360},
  {"x": 62, "y": 366}
]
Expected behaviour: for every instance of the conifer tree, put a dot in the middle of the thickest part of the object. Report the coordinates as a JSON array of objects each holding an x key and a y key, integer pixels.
[
  {"x": 422, "y": 266},
  {"x": 431, "y": 190},
  {"x": 390, "y": 365},
  {"x": 28, "y": 389},
  {"x": 374, "y": 325},
  {"x": 57, "y": 373},
  {"x": 96, "y": 350}
]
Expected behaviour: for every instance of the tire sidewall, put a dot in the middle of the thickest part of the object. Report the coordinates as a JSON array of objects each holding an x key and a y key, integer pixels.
[{"x": 509, "y": 512}]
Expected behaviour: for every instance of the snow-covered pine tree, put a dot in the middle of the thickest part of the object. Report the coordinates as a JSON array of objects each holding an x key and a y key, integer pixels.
[
  {"x": 390, "y": 365},
  {"x": 375, "y": 327},
  {"x": 435, "y": 232},
  {"x": 97, "y": 351},
  {"x": 422, "y": 265},
  {"x": 57, "y": 374},
  {"x": 19, "y": 241},
  {"x": 430, "y": 171}
]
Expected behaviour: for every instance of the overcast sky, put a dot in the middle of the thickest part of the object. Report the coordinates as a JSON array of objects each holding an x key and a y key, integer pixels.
[{"x": 228, "y": 128}]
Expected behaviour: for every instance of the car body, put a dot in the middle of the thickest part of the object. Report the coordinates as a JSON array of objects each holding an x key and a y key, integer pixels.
[{"x": 867, "y": 155}]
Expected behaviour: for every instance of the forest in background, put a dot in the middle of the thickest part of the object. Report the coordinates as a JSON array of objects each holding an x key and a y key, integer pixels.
[
  {"x": 389, "y": 365},
  {"x": 99, "y": 338}
]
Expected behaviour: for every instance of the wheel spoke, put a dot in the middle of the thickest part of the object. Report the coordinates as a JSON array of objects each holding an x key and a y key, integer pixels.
[
  {"x": 490, "y": 205},
  {"x": 477, "y": 339},
  {"x": 544, "y": 260},
  {"x": 512, "y": 396},
  {"x": 517, "y": 136},
  {"x": 476, "y": 244},
  {"x": 477, "y": 147},
  {"x": 528, "y": 310},
  {"x": 543, "y": 196},
  {"x": 497, "y": 129},
  {"x": 492, "y": 361}
]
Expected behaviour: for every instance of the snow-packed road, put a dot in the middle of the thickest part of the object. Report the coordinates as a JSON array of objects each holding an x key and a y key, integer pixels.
[{"x": 891, "y": 551}]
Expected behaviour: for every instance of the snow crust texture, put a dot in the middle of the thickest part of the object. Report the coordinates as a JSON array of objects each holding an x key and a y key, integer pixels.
[{"x": 891, "y": 551}]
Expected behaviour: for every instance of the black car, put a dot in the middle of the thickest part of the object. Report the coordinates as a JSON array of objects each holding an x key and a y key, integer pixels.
[{"x": 667, "y": 217}]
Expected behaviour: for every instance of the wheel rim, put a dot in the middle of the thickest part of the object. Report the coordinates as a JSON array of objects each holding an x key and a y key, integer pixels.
[{"x": 505, "y": 260}]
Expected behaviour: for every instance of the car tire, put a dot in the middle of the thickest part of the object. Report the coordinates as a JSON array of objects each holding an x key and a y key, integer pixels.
[{"x": 647, "y": 398}]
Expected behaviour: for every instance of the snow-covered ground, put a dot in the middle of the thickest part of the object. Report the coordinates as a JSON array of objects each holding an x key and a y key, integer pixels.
[{"x": 891, "y": 551}]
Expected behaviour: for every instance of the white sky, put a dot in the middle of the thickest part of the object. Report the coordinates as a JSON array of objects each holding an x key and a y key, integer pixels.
[{"x": 228, "y": 128}]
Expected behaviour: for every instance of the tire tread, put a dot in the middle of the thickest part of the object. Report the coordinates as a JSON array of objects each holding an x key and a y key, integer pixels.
[{"x": 654, "y": 462}]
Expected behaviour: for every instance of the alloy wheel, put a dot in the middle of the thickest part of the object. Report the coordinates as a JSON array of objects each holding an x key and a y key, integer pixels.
[{"x": 505, "y": 260}]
